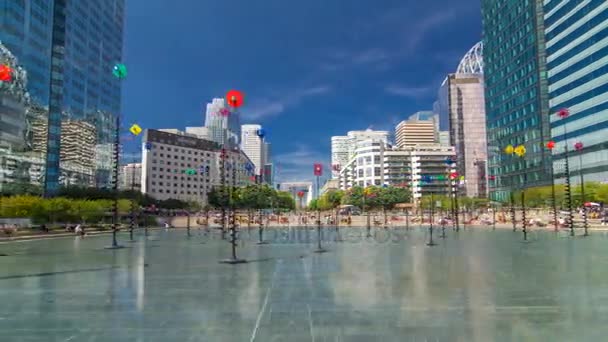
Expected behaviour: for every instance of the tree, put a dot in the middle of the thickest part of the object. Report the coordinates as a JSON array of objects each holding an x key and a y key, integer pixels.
[
  {"x": 19, "y": 206},
  {"x": 353, "y": 196},
  {"x": 387, "y": 198},
  {"x": 284, "y": 200}
]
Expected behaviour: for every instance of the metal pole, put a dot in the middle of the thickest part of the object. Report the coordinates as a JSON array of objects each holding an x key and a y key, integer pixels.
[
  {"x": 585, "y": 221},
  {"x": 115, "y": 185},
  {"x": 223, "y": 187},
  {"x": 369, "y": 226},
  {"x": 553, "y": 200},
  {"x": 493, "y": 216},
  {"x": 523, "y": 203},
  {"x": 570, "y": 219},
  {"x": 431, "y": 242},
  {"x": 132, "y": 223},
  {"x": 319, "y": 248}
]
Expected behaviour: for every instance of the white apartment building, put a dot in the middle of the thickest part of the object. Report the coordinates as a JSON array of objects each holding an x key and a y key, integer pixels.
[
  {"x": 183, "y": 167},
  {"x": 130, "y": 176},
  {"x": 376, "y": 163},
  {"x": 253, "y": 146},
  {"x": 343, "y": 147}
]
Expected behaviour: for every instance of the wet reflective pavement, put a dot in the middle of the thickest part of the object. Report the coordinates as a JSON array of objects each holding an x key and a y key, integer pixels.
[{"x": 479, "y": 285}]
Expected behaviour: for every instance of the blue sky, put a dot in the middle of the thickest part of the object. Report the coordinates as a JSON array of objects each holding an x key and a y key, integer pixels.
[{"x": 310, "y": 69}]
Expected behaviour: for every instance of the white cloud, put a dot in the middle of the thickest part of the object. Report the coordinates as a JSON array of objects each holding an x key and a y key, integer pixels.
[
  {"x": 297, "y": 165},
  {"x": 264, "y": 108},
  {"x": 407, "y": 91}
]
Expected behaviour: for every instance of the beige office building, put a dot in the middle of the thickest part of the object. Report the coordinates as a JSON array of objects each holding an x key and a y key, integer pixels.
[{"x": 410, "y": 133}]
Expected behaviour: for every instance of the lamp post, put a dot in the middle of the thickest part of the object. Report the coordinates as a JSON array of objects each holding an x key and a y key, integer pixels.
[
  {"x": 551, "y": 146},
  {"x": 579, "y": 147},
  {"x": 133, "y": 222},
  {"x": 563, "y": 114},
  {"x": 115, "y": 217},
  {"x": 520, "y": 151},
  {"x": 509, "y": 151},
  {"x": 452, "y": 193},
  {"x": 368, "y": 224},
  {"x": 223, "y": 157},
  {"x": 432, "y": 205},
  {"x": 318, "y": 171}
]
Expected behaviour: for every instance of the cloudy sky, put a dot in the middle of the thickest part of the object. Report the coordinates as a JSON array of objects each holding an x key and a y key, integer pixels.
[{"x": 310, "y": 69}]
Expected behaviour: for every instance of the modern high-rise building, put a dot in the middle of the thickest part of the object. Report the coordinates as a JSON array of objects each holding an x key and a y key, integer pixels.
[
  {"x": 516, "y": 94},
  {"x": 253, "y": 146},
  {"x": 343, "y": 147},
  {"x": 467, "y": 120},
  {"x": 68, "y": 49},
  {"x": 78, "y": 143},
  {"x": 577, "y": 50},
  {"x": 130, "y": 176},
  {"x": 13, "y": 100},
  {"x": 339, "y": 154},
  {"x": 223, "y": 123},
  {"x": 414, "y": 132}
]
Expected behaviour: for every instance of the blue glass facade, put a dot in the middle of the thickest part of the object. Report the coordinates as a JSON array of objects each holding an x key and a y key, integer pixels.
[
  {"x": 516, "y": 94},
  {"x": 68, "y": 49},
  {"x": 25, "y": 29},
  {"x": 577, "y": 55}
]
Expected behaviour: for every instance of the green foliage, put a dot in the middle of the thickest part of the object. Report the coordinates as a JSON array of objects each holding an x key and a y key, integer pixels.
[
  {"x": 375, "y": 197},
  {"x": 19, "y": 206},
  {"x": 330, "y": 199},
  {"x": 538, "y": 197},
  {"x": 313, "y": 205},
  {"x": 284, "y": 200},
  {"x": 76, "y": 192},
  {"x": 21, "y": 188}
]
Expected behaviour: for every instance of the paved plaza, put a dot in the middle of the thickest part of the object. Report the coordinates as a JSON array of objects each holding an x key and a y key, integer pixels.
[{"x": 475, "y": 285}]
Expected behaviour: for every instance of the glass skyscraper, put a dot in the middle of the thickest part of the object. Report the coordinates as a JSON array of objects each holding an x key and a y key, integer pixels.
[
  {"x": 577, "y": 55},
  {"x": 68, "y": 49},
  {"x": 517, "y": 106}
]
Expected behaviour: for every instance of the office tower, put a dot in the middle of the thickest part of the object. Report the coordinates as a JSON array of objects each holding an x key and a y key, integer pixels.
[
  {"x": 467, "y": 120},
  {"x": 339, "y": 153},
  {"x": 468, "y": 129},
  {"x": 130, "y": 176},
  {"x": 517, "y": 106},
  {"x": 180, "y": 166},
  {"x": 13, "y": 100},
  {"x": 426, "y": 115},
  {"x": 68, "y": 49},
  {"x": 576, "y": 52},
  {"x": 253, "y": 146},
  {"x": 78, "y": 143},
  {"x": 414, "y": 132},
  {"x": 444, "y": 138},
  {"x": 223, "y": 123}
]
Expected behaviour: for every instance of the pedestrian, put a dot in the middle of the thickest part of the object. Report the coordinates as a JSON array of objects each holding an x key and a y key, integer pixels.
[{"x": 166, "y": 226}]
